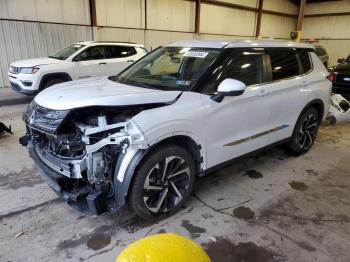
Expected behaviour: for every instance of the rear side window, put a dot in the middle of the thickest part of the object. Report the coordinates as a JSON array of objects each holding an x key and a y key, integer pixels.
[
  {"x": 284, "y": 63},
  {"x": 305, "y": 60},
  {"x": 114, "y": 51},
  {"x": 241, "y": 64}
]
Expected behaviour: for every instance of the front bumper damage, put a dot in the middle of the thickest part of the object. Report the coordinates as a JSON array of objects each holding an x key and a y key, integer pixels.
[{"x": 90, "y": 182}]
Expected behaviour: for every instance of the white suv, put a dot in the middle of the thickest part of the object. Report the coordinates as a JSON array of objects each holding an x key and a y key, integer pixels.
[
  {"x": 180, "y": 112},
  {"x": 80, "y": 60}
]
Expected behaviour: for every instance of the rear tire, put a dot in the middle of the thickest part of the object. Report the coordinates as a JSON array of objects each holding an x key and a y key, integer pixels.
[
  {"x": 305, "y": 132},
  {"x": 162, "y": 182}
]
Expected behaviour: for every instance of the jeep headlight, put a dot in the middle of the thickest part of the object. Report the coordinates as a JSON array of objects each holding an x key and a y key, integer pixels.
[{"x": 29, "y": 70}]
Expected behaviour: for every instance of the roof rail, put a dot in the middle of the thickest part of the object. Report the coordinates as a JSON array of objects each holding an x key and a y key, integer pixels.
[{"x": 124, "y": 42}]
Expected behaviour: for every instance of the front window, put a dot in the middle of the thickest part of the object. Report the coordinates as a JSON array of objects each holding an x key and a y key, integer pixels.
[
  {"x": 63, "y": 54},
  {"x": 170, "y": 68},
  {"x": 243, "y": 64},
  {"x": 91, "y": 53}
]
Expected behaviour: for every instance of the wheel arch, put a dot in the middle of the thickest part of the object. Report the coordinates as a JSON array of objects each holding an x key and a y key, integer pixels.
[
  {"x": 188, "y": 143},
  {"x": 185, "y": 141},
  {"x": 61, "y": 75},
  {"x": 318, "y": 105}
]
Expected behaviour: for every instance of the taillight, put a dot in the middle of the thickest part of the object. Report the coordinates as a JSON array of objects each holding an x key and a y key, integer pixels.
[{"x": 330, "y": 77}]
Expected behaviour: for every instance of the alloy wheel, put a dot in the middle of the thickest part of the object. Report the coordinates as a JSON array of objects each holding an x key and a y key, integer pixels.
[
  {"x": 166, "y": 184},
  {"x": 308, "y": 131}
]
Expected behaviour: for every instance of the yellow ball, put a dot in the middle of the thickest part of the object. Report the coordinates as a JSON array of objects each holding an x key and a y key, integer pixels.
[{"x": 163, "y": 248}]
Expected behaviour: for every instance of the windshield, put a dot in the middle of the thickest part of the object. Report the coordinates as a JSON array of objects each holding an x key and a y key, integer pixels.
[
  {"x": 63, "y": 54},
  {"x": 169, "y": 68}
]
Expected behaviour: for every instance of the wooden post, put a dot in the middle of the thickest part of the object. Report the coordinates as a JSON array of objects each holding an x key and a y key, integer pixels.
[
  {"x": 258, "y": 20},
  {"x": 197, "y": 17},
  {"x": 301, "y": 14},
  {"x": 145, "y": 14},
  {"x": 93, "y": 20}
]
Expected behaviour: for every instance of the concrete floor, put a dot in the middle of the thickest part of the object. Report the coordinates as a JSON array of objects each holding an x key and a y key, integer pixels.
[{"x": 273, "y": 207}]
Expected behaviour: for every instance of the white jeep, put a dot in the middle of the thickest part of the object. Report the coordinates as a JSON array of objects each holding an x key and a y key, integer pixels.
[
  {"x": 185, "y": 109},
  {"x": 80, "y": 60}
]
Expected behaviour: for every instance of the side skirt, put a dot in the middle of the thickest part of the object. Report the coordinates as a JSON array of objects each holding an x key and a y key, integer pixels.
[{"x": 253, "y": 153}]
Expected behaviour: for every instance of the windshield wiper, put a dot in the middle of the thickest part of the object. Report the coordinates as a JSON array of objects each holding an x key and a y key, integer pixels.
[{"x": 140, "y": 84}]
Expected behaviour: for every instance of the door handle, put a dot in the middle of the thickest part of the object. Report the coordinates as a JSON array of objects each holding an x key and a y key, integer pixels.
[
  {"x": 262, "y": 92},
  {"x": 130, "y": 61},
  {"x": 102, "y": 63}
]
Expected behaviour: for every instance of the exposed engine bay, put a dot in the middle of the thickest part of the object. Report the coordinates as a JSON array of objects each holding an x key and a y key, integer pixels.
[{"x": 78, "y": 150}]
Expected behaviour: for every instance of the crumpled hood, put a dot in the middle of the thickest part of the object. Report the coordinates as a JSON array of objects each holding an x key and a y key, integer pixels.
[
  {"x": 99, "y": 92},
  {"x": 35, "y": 62}
]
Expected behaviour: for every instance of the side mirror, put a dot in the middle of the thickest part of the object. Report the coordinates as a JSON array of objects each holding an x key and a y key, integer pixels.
[
  {"x": 77, "y": 58},
  {"x": 229, "y": 87},
  {"x": 80, "y": 57},
  {"x": 341, "y": 60}
]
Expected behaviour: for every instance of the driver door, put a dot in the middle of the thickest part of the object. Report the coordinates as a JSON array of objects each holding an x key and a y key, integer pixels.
[
  {"x": 90, "y": 62},
  {"x": 238, "y": 124}
]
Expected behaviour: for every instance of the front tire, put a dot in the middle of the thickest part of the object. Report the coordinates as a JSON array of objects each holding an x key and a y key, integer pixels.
[
  {"x": 305, "y": 131},
  {"x": 162, "y": 183},
  {"x": 52, "y": 81}
]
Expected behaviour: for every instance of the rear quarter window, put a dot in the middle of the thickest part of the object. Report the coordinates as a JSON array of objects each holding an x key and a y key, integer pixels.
[{"x": 305, "y": 60}]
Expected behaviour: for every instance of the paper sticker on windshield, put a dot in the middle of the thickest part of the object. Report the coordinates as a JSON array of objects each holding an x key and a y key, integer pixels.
[
  {"x": 183, "y": 82},
  {"x": 196, "y": 54}
]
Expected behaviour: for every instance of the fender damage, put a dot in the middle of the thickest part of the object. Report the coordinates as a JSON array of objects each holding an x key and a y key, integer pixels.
[{"x": 83, "y": 154}]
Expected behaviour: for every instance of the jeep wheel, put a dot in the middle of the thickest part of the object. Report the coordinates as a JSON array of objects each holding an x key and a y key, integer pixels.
[
  {"x": 162, "y": 182},
  {"x": 305, "y": 131},
  {"x": 52, "y": 81}
]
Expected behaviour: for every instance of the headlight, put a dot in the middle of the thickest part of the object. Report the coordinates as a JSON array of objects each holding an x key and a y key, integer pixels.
[{"x": 29, "y": 70}]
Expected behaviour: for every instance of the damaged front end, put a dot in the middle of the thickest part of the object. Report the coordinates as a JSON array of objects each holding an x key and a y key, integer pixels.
[{"x": 83, "y": 153}]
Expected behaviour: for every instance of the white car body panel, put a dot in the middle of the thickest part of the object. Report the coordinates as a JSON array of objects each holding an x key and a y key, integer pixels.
[
  {"x": 264, "y": 114},
  {"x": 99, "y": 91},
  {"x": 201, "y": 118},
  {"x": 74, "y": 69},
  {"x": 35, "y": 62}
]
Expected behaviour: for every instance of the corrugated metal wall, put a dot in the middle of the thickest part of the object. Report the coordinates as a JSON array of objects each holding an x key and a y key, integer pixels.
[
  {"x": 171, "y": 20},
  {"x": 167, "y": 21},
  {"x": 333, "y": 32},
  {"x": 124, "y": 20},
  {"x": 22, "y": 40}
]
